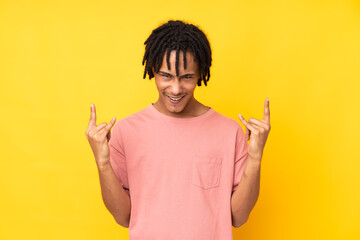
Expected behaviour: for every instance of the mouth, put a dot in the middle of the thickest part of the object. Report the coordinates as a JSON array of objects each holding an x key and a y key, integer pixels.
[{"x": 175, "y": 100}]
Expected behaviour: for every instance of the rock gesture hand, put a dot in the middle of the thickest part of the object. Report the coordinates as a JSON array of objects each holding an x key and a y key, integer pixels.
[
  {"x": 259, "y": 131},
  {"x": 98, "y": 137}
]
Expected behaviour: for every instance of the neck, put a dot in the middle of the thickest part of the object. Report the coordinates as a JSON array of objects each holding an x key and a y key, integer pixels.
[{"x": 193, "y": 109}]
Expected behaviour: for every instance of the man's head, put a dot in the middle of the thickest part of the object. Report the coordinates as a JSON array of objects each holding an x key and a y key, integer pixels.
[
  {"x": 176, "y": 80},
  {"x": 177, "y": 36}
]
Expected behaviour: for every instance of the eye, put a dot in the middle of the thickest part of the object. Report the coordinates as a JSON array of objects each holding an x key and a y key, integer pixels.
[{"x": 165, "y": 75}]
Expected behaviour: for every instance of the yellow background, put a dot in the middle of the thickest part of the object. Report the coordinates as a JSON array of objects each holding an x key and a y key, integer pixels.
[{"x": 58, "y": 57}]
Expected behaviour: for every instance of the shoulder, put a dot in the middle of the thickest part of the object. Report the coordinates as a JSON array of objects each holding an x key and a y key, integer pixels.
[
  {"x": 228, "y": 126},
  {"x": 226, "y": 121},
  {"x": 140, "y": 116}
]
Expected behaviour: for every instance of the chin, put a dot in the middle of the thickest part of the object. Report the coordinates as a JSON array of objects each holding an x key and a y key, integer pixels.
[{"x": 175, "y": 108}]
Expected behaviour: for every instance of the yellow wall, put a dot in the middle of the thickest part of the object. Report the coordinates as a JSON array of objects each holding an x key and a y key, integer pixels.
[{"x": 58, "y": 57}]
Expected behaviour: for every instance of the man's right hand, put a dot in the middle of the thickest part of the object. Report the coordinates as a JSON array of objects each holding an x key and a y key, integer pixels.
[{"x": 98, "y": 137}]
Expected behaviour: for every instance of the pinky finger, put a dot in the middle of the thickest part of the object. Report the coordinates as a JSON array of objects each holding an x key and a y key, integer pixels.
[{"x": 247, "y": 125}]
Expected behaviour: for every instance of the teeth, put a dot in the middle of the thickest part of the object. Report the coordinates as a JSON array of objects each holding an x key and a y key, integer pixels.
[{"x": 175, "y": 99}]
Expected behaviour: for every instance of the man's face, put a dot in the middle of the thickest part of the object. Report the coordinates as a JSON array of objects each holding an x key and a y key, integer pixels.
[{"x": 176, "y": 93}]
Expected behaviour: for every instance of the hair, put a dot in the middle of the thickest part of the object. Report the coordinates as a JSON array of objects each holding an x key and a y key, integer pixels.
[{"x": 177, "y": 35}]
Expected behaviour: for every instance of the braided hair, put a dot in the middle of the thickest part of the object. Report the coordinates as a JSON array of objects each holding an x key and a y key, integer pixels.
[{"x": 177, "y": 35}]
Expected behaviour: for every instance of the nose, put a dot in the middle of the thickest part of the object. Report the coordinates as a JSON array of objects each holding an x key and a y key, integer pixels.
[{"x": 176, "y": 87}]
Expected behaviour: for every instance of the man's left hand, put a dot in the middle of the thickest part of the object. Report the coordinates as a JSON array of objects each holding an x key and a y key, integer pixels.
[{"x": 259, "y": 131}]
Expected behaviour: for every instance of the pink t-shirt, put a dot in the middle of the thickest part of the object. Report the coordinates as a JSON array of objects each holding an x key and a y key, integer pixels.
[{"x": 179, "y": 173}]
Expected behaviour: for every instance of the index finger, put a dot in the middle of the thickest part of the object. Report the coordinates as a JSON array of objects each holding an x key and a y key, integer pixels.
[
  {"x": 266, "y": 116},
  {"x": 92, "y": 122}
]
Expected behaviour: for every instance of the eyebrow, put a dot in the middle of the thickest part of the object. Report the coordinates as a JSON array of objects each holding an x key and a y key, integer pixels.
[{"x": 187, "y": 74}]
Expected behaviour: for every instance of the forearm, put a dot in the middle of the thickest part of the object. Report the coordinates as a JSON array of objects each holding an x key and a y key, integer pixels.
[
  {"x": 245, "y": 196},
  {"x": 114, "y": 196}
]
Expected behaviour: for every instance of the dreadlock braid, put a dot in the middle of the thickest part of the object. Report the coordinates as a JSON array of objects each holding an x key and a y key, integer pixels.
[{"x": 179, "y": 36}]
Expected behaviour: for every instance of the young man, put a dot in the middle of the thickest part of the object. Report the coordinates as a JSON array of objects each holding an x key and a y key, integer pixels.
[{"x": 178, "y": 169}]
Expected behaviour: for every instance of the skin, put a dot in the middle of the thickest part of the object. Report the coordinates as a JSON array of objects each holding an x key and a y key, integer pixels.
[
  {"x": 259, "y": 130},
  {"x": 98, "y": 137},
  {"x": 245, "y": 196},
  {"x": 116, "y": 200},
  {"x": 168, "y": 84}
]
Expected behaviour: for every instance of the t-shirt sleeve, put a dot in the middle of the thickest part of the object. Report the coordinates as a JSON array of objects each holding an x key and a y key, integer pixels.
[
  {"x": 117, "y": 156},
  {"x": 241, "y": 156}
]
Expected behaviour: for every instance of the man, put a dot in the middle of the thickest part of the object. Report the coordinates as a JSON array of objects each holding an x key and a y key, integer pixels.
[{"x": 178, "y": 169}]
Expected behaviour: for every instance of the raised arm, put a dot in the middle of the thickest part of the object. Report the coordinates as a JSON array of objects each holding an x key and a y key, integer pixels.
[
  {"x": 245, "y": 196},
  {"x": 116, "y": 200}
]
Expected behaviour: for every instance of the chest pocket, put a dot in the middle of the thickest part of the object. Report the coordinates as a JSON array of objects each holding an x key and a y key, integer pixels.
[{"x": 206, "y": 171}]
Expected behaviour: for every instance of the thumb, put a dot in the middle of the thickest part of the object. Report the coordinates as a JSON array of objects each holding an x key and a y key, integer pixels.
[
  {"x": 246, "y": 124},
  {"x": 247, "y": 134},
  {"x": 108, "y": 136},
  {"x": 110, "y": 125}
]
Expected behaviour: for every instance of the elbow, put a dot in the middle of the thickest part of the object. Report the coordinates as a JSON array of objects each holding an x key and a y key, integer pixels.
[
  {"x": 125, "y": 225},
  {"x": 239, "y": 223},
  {"x": 123, "y": 222}
]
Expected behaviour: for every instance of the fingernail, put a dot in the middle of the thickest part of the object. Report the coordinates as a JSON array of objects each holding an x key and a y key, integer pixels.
[
  {"x": 91, "y": 105},
  {"x": 240, "y": 115}
]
